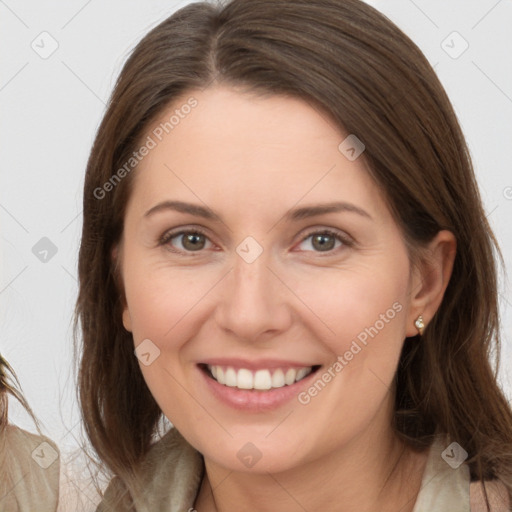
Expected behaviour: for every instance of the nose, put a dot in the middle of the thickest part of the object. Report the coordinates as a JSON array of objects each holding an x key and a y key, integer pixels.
[{"x": 254, "y": 302}]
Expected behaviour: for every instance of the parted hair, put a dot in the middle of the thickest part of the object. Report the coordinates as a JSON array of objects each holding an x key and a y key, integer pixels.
[{"x": 354, "y": 64}]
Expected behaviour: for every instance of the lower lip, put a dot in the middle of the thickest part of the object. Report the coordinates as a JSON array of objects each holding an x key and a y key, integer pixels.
[{"x": 255, "y": 400}]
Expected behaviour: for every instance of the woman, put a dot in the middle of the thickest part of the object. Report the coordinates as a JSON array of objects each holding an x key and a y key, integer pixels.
[
  {"x": 284, "y": 252},
  {"x": 29, "y": 463}
]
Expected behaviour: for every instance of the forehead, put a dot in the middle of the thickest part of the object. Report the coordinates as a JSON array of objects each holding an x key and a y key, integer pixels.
[{"x": 249, "y": 150}]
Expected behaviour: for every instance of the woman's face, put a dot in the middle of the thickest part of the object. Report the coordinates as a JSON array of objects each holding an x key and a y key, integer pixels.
[{"x": 254, "y": 248}]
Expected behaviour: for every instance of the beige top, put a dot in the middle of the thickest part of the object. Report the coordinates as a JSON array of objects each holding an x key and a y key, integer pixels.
[
  {"x": 29, "y": 472},
  {"x": 173, "y": 471}
]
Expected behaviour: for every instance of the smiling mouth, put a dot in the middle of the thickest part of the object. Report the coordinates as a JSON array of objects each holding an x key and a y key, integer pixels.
[{"x": 259, "y": 380}]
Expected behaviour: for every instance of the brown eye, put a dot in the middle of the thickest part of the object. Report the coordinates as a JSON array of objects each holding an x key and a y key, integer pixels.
[
  {"x": 323, "y": 241},
  {"x": 193, "y": 241},
  {"x": 185, "y": 241}
]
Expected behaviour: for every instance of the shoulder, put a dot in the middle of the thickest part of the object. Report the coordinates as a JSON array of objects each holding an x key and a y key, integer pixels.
[
  {"x": 18, "y": 439},
  {"x": 31, "y": 451},
  {"x": 170, "y": 474},
  {"x": 30, "y": 466},
  {"x": 497, "y": 493}
]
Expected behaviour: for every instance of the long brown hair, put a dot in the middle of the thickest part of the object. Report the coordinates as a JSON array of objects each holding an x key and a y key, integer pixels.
[{"x": 354, "y": 64}]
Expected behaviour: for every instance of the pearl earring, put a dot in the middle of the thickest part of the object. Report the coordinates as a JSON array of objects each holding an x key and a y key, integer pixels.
[{"x": 420, "y": 325}]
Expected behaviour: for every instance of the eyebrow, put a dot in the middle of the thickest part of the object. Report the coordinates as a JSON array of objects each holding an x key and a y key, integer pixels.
[{"x": 292, "y": 215}]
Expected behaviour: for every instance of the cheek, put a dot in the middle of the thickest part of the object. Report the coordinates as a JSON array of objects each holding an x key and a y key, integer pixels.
[
  {"x": 366, "y": 308},
  {"x": 159, "y": 300},
  {"x": 163, "y": 305},
  {"x": 362, "y": 303}
]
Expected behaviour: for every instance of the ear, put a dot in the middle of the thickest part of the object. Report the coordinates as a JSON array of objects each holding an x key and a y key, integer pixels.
[
  {"x": 430, "y": 279},
  {"x": 114, "y": 255}
]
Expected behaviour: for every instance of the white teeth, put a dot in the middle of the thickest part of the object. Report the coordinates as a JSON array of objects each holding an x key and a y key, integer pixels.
[
  {"x": 230, "y": 378},
  {"x": 244, "y": 379},
  {"x": 278, "y": 379},
  {"x": 289, "y": 378},
  {"x": 302, "y": 373},
  {"x": 260, "y": 380}
]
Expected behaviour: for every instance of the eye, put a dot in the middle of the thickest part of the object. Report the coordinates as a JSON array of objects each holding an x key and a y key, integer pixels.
[
  {"x": 195, "y": 240},
  {"x": 186, "y": 241},
  {"x": 323, "y": 241}
]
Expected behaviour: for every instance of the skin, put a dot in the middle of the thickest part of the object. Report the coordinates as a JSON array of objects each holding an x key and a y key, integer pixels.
[{"x": 251, "y": 160}]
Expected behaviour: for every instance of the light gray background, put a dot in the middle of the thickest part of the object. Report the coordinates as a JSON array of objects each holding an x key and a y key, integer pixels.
[{"x": 51, "y": 109}]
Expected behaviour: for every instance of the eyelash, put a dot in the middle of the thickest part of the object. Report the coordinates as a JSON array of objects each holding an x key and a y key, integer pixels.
[{"x": 168, "y": 236}]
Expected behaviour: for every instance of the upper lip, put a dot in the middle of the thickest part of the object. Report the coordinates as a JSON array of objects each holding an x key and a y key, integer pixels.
[{"x": 260, "y": 364}]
